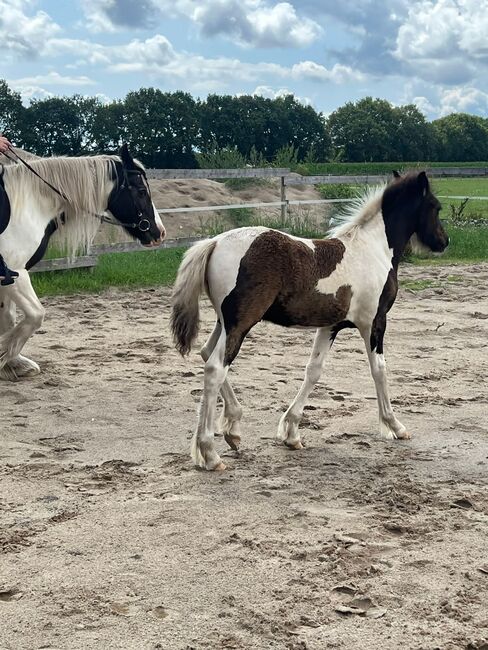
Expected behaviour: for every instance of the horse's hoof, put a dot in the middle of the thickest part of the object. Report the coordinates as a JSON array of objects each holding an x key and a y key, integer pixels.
[
  {"x": 232, "y": 441},
  {"x": 294, "y": 445},
  {"x": 220, "y": 467}
]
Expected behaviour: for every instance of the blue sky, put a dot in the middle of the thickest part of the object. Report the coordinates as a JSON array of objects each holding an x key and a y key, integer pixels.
[{"x": 325, "y": 52}]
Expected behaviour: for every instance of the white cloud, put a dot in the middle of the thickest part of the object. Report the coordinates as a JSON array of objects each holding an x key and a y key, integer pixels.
[
  {"x": 337, "y": 74},
  {"x": 463, "y": 100},
  {"x": 445, "y": 40},
  {"x": 111, "y": 15},
  {"x": 436, "y": 101},
  {"x": 23, "y": 34},
  {"x": 52, "y": 79},
  {"x": 28, "y": 93},
  {"x": 254, "y": 23},
  {"x": 271, "y": 93}
]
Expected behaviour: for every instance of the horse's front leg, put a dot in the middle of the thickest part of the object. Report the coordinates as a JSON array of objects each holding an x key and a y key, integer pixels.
[
  {"x": 288, "y": 427},
  {"x": 20, "y": 366},
  {"x": 390, "y": 427},
  {"x": 14, "y": 336}
]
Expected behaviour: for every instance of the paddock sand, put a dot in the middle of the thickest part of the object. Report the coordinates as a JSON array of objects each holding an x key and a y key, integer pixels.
[{"x": 111, "y": 539}]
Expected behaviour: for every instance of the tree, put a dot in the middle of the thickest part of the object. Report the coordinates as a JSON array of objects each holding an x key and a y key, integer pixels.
[
  {"x": 109, "y": 129},
  {"x": 60, "y": 125},
  {"x": 363, "y": 131},
  {"x": 461, "y": 137},
  {"x": 415, "y": 138},
  {"x": 11, "y": 113},
  {"x": 374, "y": 130},
  {"x": 254, "y": 123},
  {"x": 162, "y": 128}
]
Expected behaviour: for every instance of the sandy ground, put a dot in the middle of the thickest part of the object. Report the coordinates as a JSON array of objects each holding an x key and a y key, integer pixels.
[{"x": 110, "y": 538}]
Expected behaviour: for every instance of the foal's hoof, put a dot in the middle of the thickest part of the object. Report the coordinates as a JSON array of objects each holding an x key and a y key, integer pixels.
[
  {"x": 404, "y": 435},
  {"x": 232, "y": 441},
  {"x": 294, "y": 445}
]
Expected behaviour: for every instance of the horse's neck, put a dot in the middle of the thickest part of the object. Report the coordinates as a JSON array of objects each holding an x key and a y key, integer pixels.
[{"x": 25, "y": 198}]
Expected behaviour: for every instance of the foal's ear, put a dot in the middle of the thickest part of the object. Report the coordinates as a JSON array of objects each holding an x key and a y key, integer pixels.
[
  {"x": 396, "y": 174},
  {"x": 423, "y": 183},
  {"x": 127, "y": 159}
]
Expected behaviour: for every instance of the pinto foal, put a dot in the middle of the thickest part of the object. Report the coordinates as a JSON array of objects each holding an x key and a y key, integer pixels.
[{"x": 347, "y": 280}]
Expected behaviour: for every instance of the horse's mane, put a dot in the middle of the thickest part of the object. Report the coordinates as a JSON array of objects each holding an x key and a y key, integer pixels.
[
  {"x": 359, "y": 211},
  {"x": 85, "y": 181},
  {"x": 26, "y": 155}
]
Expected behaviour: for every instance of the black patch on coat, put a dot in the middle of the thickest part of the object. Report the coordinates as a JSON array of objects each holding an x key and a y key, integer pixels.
[
  {"x": 51, "y": 228},
  {"x": 385, "y": 303},
  {"x": 4, "y": 206}
]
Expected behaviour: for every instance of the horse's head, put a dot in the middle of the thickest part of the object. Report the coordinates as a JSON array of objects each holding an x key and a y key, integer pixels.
[
  {"x": 413, "y": 211},
  {"x": 131, "y": 204}
]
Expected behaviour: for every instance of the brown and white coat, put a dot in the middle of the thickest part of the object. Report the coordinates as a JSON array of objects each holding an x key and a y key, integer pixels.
[{"x": 346, "y": 280}]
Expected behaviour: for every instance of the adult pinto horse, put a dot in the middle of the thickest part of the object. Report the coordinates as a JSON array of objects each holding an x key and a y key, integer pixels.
[
  {"x": 346, "y": 280},
  {"x": 72, "y": 196}
]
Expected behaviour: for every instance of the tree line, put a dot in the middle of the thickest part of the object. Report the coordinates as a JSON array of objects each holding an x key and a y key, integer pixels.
[{"x": 173, "y": 129}]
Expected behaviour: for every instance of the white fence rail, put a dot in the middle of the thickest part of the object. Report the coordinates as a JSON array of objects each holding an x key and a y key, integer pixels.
[{"x": 286, "y": 177}]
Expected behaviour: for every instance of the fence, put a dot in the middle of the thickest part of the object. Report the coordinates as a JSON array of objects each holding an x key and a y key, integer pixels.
[{"x": 287, "y": 178}]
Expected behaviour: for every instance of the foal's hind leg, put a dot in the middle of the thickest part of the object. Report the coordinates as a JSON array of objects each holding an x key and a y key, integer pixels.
[
  {"x": 229, "y": 422},
  {"x": 288, "y": 427},
  {"x": 203, "y": 445},
  {"x": 20, "y": 366}
]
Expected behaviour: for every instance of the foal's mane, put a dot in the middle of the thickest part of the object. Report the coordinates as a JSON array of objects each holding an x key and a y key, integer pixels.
[
  {"x": 86, "y": 182},
  {"x": 359, "y": 211}
]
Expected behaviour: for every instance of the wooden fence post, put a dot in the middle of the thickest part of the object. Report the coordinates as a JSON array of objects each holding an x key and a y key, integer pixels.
[{"x": 284, "y": 206}]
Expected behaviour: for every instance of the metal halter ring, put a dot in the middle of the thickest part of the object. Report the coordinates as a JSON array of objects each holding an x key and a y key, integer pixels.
[{"x": 144, "y": 228}]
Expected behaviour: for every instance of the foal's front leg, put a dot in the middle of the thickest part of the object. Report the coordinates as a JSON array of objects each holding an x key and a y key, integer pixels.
[
  {"x": 390, "y": 427},
  {"x": 14, "y": 339},
  {"x": 20, "y": 366},
  {"x": 288, "y": 427}
]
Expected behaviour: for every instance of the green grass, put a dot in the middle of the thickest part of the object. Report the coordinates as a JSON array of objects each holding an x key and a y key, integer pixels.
[
  {"x": 467, "y": 244},
  {"x": 340, "y": 169},
  {"x": 139, "y": 269},
  {"x": 420, "y": 285}
]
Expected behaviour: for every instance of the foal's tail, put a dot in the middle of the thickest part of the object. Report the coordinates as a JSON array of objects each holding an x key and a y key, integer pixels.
[{"x": 190, "y": 284}]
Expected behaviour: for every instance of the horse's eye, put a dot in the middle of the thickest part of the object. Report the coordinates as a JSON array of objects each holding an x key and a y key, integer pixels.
[{"x": 142, "y": 191}]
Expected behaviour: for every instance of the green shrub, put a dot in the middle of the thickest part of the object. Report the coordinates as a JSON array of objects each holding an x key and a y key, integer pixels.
[{"x": 221, "y": 159}]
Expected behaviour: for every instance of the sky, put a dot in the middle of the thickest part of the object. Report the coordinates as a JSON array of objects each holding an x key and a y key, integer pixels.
[{"x": 326, "y": 52}]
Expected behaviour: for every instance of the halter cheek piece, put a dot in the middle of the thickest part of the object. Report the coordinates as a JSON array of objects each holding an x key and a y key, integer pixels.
[{"x": 144, "y": 225}]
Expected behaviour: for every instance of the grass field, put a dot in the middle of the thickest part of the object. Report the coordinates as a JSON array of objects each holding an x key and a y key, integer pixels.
[
  {"x": 140, "y": 269},
  {"x": 317, "y": 169}
]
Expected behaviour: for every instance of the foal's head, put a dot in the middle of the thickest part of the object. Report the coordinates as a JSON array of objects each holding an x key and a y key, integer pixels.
[
  {"x": 131, "y": 204},
  {"x": 411, "y": 210}
]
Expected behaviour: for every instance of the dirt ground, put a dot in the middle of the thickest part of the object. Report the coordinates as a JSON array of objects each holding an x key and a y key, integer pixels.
[{"x": 110, "y": 538}]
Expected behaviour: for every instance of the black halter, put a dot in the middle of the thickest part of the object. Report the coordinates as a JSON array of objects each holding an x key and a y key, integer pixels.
[{"x": 143, "y": 224}]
